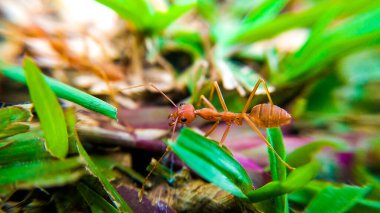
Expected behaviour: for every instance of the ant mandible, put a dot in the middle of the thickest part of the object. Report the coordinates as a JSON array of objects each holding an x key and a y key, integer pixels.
[{"x": 265, "y": 115}]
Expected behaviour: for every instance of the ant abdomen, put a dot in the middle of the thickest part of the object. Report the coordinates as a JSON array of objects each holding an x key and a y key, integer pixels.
[{"x": 263, "y": 116}]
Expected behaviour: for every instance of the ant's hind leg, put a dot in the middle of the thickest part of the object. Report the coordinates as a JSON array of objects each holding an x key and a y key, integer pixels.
[
  {"x": 212, "y": 129},
  {"x": 253, "y": 126},
  {"x": 225, "y": 135},
  {"x": 254, "y": 92}
]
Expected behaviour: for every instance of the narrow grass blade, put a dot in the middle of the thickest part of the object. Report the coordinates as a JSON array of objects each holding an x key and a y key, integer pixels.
[
  {"x": 265, "y": 12},
  {"x": 359, "y": 32},
  {"x": 96, "y": 202},
  {"x": 93, "y": 169},
  {"x": 48, "y": 109},
  {"x": 66, "y": 92},
  {"x": 278, "y": 170},
  {"x": 247, "y": 34},
  {"x": 212, "y": 162}
]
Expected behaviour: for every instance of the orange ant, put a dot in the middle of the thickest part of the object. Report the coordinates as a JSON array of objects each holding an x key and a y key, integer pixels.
[{"x": 265, "y": 115}]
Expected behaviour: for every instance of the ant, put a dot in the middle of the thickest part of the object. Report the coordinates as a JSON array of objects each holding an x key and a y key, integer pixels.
[{"x": 265, "y": 115}]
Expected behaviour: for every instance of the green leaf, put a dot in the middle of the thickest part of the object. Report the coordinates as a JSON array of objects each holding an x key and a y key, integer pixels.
[
  {"x": 360, "y": 31},
  {"x": 41, "y": 173},
  {"x": 296, "y": 180},
  {"x": 20, "y": 113},
  {"x": 10, "y": 118},
  {"x": 247, "y": 34},
  {"x": 138, "y": 12},
  {"x": 48, "y": 109},
  {"x": 306, "y": 153},
  {"x": 66, "y": 92},
  {"x": 212, "y": 162},
  {"x": 23, "y": 147},
  {"x": 335, "y": 200},
  {"x": 96, "y": 202},
  {"x": 143, "y": 15},
  {"x": 265, "y": 12},
  {"x": 367, "y": 206},
  {"x": 93, "y": 169},
  {"x": 163, "y": 19},
  {"x": 278, "y": 169},
  {"x": 14, "y": 129},
  {"x": 304, "y": 195}
]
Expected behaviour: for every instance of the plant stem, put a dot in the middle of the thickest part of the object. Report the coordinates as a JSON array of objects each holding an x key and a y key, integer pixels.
[{"x": 278, "y": 169}]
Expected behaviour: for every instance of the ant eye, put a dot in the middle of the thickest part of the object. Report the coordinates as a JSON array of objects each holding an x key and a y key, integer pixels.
[
  {"x": 183, "y": 119},
  {"x": 181, "y": 104}
]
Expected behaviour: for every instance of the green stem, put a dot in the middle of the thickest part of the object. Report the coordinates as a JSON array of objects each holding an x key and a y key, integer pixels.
[{"x": 278, "y": 170}]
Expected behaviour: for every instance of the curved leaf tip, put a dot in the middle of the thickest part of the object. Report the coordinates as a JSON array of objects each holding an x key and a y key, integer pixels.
[{"x": 212, "y": 162}]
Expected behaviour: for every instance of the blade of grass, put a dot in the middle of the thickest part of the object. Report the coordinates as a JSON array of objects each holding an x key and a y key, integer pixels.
[
  {"x": 306, "y": 153},
  {"x": 66, "y": 92},
  {"x": 360, "y": 31},
  {"x": 93, "y": 169},
  {"x": 48, "y": 109},
  {"x": 212, "y": 162},
  {"x": 96, "y": 202},
  {"x": 278, "y": 170},
  {"x": 300, "y": 19},
  {"x": 265, "y": 12}
]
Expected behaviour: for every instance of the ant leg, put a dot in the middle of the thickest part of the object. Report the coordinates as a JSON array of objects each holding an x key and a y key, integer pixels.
[
  {"x": 212, "y": 129},
  {"x": 225, "y": 135},
  {"x": 220, "y": 96},
  {"x": 141, "y": 192},
  {"x": 206, "y": 101},
  {"x": 254, "y": 92},
  {"x": 253, "y": 126}
]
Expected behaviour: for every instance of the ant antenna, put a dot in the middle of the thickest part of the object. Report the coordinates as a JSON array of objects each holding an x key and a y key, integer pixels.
[
  {"x": 167, "y": 150},
  {"x": 156, "y": 88}
]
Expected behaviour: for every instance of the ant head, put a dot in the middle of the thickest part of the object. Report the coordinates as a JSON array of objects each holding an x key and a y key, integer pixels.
[{"x": 184, "y": 114}]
